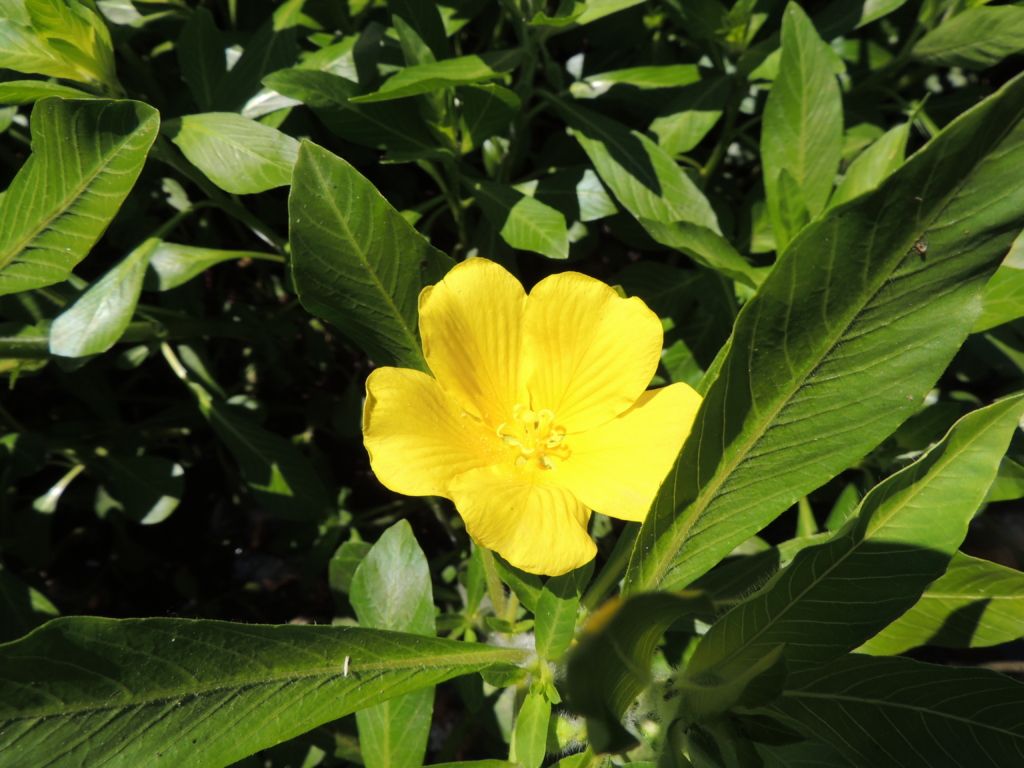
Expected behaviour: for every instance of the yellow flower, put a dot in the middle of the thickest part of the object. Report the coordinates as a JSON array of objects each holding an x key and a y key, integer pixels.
[{"x": 536, "y": 414}]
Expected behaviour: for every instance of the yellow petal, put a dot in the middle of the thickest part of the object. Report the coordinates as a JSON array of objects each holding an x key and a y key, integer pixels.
[
  {"x": 471, "y": 325},
  {"x": 588, "y": 353},
  {"x": 419, "y": 438},
  {"x": 536, "y": 526},
  {"x": 617, "y": 468}
]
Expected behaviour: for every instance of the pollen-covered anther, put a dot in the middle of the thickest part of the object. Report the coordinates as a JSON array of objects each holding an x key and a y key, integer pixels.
[{"x": 536, "y": 435}]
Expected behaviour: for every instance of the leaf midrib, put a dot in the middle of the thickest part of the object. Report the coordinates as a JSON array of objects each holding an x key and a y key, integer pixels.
[
  {"x": 69, "y": 200},
  {"x": 943, "y": 462},
  {"x": 709, "y": 492}
]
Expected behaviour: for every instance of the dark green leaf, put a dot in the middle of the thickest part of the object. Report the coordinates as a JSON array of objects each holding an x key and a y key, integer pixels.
[
  {"x": 22, "y": 608},
  {"x": 391, "y": 590},
  {"x": 905, "y": 531},
  {"x": 92, "y": 691},
  {"x": 873, "y": 165},
  {"x": 557, "y": 609},
  {"x": 148, "y": 488},
  {"x": 173, "y": 264},
  {"x": 344, "y": 563},
  {"x": 645, "y": 179},
  {"x": 27, "y": 91},
  {"x": 794, "y": 400},
  {"x": 266, "y": 51},
  {"x": 803, "y": 123},
  {"x": 975, "y": 39},
  {"x": 974, "y": 604},
  {"x": 527, "y": 586},
  {"x": 87, "y": 155},
  {"x": 706, "y": 247},
  {"x": 611, "y": 665},
  {"x": 356, "y": 260},
  {"x": 895, "y": 712},
  {"x": 239, "y": 155},
  {"x": 425, "y": 20},
  {"x": 486, "y": 110},
  {"x": 201, "y": 57},
  {"x": 424, "y": 78},
  {"x": 95, "y": 322},
  {"x": 396, "y": 126},
  {"x": 523, "y": 221},
  {"x": 688, "y": 118}
]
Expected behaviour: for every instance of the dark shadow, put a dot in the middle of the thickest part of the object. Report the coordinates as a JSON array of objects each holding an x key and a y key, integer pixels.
[{"x": 958, "y": 629}]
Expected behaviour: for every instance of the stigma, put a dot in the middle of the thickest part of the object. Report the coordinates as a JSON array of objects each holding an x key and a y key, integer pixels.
[{"x": 537, "y": 436}]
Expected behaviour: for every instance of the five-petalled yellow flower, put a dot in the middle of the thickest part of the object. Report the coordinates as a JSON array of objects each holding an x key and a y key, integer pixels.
[{"x": 537, "y": 413}]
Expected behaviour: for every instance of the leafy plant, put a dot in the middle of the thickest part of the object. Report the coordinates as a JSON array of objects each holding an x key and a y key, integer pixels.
[{"x": 219, "y": 218}]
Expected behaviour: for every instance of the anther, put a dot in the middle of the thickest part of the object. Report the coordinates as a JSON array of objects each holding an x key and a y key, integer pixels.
[{"x": 546, "y": 462}]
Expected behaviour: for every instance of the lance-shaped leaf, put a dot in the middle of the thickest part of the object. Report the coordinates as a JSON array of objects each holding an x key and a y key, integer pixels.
[
  {"x": 523, "y": 221},
  {"x": 465, "y": 70},
  {"x": 803, "y": 124},
  {"x": 85, "y": 160},
  {"x": 645, "y": 178},
  {"x": 556, "y": 611},
  {"x": 1004, "y": 294},
  {"x": 356, "y": 260},
  {"x": 689, "y": 117},
  {"x": 391, "y": 590},
  {"x": 836, "y": 595},
  {"x": 96, "y": 320},
  {"x": 974, "y": 604},
  {"x": 842, "y": 340},
  {"x": 895, "y": 712},
  {"x": 173, "y": 264},
  {"x": 395, "y": 126},
  {"x": 89, "y": 691},
  {"x": 239, "y": 155},
  {"x": 975, "y": 39},
  {"x": 873, "y": 165},
  {"x": 28, "y": 91}
]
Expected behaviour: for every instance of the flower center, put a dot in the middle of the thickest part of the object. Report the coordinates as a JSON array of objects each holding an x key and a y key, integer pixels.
[{"x": 536, "y": 436}]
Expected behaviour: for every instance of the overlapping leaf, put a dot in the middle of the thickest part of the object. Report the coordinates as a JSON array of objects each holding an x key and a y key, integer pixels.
[
  {"x": 88, "y": 691},
  {"x": 844, "y": 337}
]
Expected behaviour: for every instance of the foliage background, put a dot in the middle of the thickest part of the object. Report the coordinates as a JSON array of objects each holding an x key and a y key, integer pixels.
[{"x": 137, "y": 457}]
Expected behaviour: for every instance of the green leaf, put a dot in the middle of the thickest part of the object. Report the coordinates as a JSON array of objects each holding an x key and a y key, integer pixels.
[
  {"x": 612, "y": 663},
  {"x": 974, "y": 39},
  {"x": 424, "y": 78},
  {"x": 200, "y": 49},
  {"x": 22, "y": 608},
  {"x": 706, "y": 247},
  {"x": 644, "y": 78},
  {"x": 86, "y": 157},
  {"x": 842, "y": 340},
  {"x": 688, "y": 118},
  {"x": 77, "y": 35},
  {"x": 1004, "y": 296},
  {"x": 93, "y": 691},
  {"x": 356, "y": 261},
  {"x": 597, "y": 9},
  {"x": 279, "y": 476},
  {"x": 343, "y": 565},
  {"x": 556, "y": 611},
  {"x": 905, "y": 532},
  {"x": 486, "y": 110},
  {"x": 645, "y": 179},
  {"x": 239, "y": 155},
  {"x": 895, "y": 712},
  {"x": 266, "y": 51},
  {"x": 28, "y": 91},
  {"x": 391, "y": 590},
  {"x": 396, "y": 126},
  {"x": 96, "y": 320},
  {"x": 527, "y": 586},
  {"x": 523, "y": 221},
  {"x": 975, "y": 604},
  {"x": 425, "y": 20},
  {"x": 1009, "y": 483},
  {"x": 172, "y": 264},
  {"x": 873, "y": 165},
  {"x": 705, "y": 695},
  {"x": 803, "y": 123},
  {"x": 531, "y": 732},
  {"x": 148, "y": 488}
]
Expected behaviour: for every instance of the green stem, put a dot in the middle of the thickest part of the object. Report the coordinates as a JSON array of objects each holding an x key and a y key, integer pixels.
[
  {"x": 494, "y": 586},
  {"x": 611, "y": 574}
]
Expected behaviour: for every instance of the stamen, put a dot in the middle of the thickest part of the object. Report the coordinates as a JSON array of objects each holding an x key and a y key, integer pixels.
[
  {"x": 546, "y": 462},
  {"x": 510, "y": 440},
  {"x": 521, "y": 460}
]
